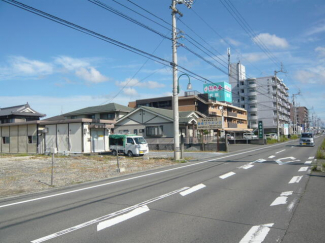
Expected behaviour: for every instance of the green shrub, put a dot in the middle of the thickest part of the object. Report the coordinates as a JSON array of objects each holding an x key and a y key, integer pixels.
[{"x": 320, "y": 154}]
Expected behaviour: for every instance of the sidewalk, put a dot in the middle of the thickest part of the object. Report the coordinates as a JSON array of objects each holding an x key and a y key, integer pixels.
[{"x": 307, "y": 224}]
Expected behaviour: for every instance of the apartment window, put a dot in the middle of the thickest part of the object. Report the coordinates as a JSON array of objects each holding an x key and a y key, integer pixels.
[
  {"x": 154, "y": 131},
  {"x": 243, "y": 91},
  {"x": 135, "y": 131},
  {"x": 242, "y": 98},
  {"x": 5, "y": 140},
  {"x": 241, "y": 82},
  {"x": 141, "y": 130},
  {"x": 32, "y": 139},
  {"x": 251, "y": 98},
  {"x": 107, "y": 116},
  {"x": 243, "y": 106},
  {"x": 91, "y": 116},
  {"x": 253, "y": 106},
  {"x": 253, "y": 114}
]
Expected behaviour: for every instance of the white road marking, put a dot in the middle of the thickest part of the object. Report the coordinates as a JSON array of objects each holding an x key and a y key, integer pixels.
[
  {"x": 311, "y": 157},
  {"x": 292, "y": 205},
  {"x": 121, "y": 218},
  {"x": 256, "y": 234},
  {"x": 192, "y": 189},
  {"x": 247, "y": 166},
  {"x": 279, "y": 200},
  {"x": 280, "y": 151},
  {"x": 272, "y": 156},
  {"x": 303, "y": 169},
  {"x": 227, "y": 175},
  {"x": 106, "y": 217},
  {"x": 289, "y": 193},
  {"x": 308, "y": 162},
  {"x": 292, "y": 159},
  {"x": 295, "y": 179},
  {"x": 259, "y": 161},
  {"x": 136, "y": 177}
]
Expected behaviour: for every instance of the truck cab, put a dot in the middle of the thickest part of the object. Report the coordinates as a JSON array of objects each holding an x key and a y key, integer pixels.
[{"x": 130, "y": 145}]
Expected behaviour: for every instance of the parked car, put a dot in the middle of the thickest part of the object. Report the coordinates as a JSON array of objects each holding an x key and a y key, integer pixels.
[
  {"x": 267, "y": 136},
  {"x": 229, "y": 136},
  {"x": 307, "y": 139},
  {"x": 249, "y": 136},
  {"x": 274, "y": 136},
  {"x": 128, "y": 144}
]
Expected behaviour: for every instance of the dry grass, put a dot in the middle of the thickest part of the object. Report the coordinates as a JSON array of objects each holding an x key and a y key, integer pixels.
[{"x": 26, "y": 174}]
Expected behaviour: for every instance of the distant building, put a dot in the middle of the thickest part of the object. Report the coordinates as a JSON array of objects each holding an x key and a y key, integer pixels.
[
  {"x": 19, "y": 113},
  {"x": 301, "y": 118},
  {"x": 111, "y": 111},
  {"x": 235, "y": 118},
  {"x": 258, "y": 96}
]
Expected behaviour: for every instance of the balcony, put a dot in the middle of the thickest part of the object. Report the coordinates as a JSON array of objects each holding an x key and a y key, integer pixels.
[
  {"x": 253, "y": 109},
  {"x": 252, "y": 93},
  {"x": 233, "y": 114},
  {"x": 254, "y": 126},
  {"x": 253, "y": 118},
  {"x": 232, "y": 125},
  {"x": 252, "y": 101},
  {"x": 252, "y": 85}
]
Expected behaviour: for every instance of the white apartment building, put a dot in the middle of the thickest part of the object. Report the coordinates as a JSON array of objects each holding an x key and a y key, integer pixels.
[{"x": 258, "y": 97}]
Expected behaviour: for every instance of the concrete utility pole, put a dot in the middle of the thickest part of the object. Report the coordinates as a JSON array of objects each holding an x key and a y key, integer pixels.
[
  {"x": 294, "y": 113},
  {"x": 277, "y": 102},
  {"x": 188, "y": 3}
]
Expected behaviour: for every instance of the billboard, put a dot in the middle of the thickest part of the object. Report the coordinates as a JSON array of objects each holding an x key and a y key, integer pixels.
[
  {"x": 210, "y": 123},
  {"x": 220, "y": 91}
]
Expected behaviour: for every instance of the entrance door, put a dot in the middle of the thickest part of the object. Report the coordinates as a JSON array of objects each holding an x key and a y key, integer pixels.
[{"x": 97, "y": 138}]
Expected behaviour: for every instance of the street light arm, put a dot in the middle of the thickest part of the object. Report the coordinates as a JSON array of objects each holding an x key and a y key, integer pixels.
[{"x": 189, "y": 85}]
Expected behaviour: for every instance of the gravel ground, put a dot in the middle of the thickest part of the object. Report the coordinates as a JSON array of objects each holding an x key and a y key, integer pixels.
[{"x": 27, "y": 174}]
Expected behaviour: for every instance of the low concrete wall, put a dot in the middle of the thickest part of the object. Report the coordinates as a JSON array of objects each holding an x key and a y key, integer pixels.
[{"x": 192, "y": 147}]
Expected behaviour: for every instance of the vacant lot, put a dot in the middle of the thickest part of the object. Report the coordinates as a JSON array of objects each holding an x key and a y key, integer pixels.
[{"x": 25, "y": 174}]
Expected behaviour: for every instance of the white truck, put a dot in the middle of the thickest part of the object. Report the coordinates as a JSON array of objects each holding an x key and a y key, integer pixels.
[{"x": 130, "y": 145}]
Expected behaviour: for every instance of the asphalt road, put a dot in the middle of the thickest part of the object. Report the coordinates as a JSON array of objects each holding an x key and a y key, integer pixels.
[{"x": 248, "y": 196}]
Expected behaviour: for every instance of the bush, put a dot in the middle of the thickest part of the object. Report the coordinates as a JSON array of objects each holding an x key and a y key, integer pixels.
[{"x": 320, "y": 154}]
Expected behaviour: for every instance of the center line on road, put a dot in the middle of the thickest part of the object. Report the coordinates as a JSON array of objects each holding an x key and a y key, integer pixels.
[
  {"x": 227, "y": 175},
  {"x": 308, "y": 162},
  {"x": 247, "y": 166},
  {"x": 272, "y": 156},
  {"x": 295, "y": 179},
  {"x": 192, "y": 189},
  {"x": 303, "y": 169},
  {"x": 121, "y": 218},
  {"x": 257, "y": 233},
  {"x": 280, "y": 151},
  {"x": 105, "y": 217}
]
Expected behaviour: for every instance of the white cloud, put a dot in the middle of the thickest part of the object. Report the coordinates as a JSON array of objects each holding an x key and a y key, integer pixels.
[
  {"x": 91, "y": 74},
  {"x": 136, "y": 83},
  {"x": 271, "y": 40},
  {"x": 313, "y": 75},
  {"x": 321, "y": 51},
  {"x": 22, "y": 67},
  {"x": 317, "y": 29},
  {"x": 230, "y": 41},
  {"x": 255, "y": 57},
  {"x": 71, "y": 64},
  {"x": 130, "y": 92}
]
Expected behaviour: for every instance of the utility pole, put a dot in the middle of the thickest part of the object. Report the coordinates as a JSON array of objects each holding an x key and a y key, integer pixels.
[
  {"x": 294, "y": 113},
  {"x": 277, "y": 102},
  {"x": 188, "y": 3}
]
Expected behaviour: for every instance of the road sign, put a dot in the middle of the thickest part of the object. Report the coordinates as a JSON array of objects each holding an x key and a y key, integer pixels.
[
  {"x": 260, "y": 130},
  {"x": 209, "y": 123}
]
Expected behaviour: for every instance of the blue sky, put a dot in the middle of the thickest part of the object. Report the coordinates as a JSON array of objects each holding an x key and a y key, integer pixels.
[{"x": 57, "y": 69}]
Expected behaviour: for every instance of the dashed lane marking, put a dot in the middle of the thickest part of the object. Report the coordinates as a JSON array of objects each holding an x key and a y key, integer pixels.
[
  {"x": 227, "y": 175},
  {"x": 295, "y": 179},
  {"x": 257, "y": 233},
  {"x": 192, "y": 189},
  {"x": 303, "y": 169}
]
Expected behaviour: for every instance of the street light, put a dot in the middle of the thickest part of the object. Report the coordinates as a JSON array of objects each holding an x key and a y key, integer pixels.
[{"x": 189, "y": 85}]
